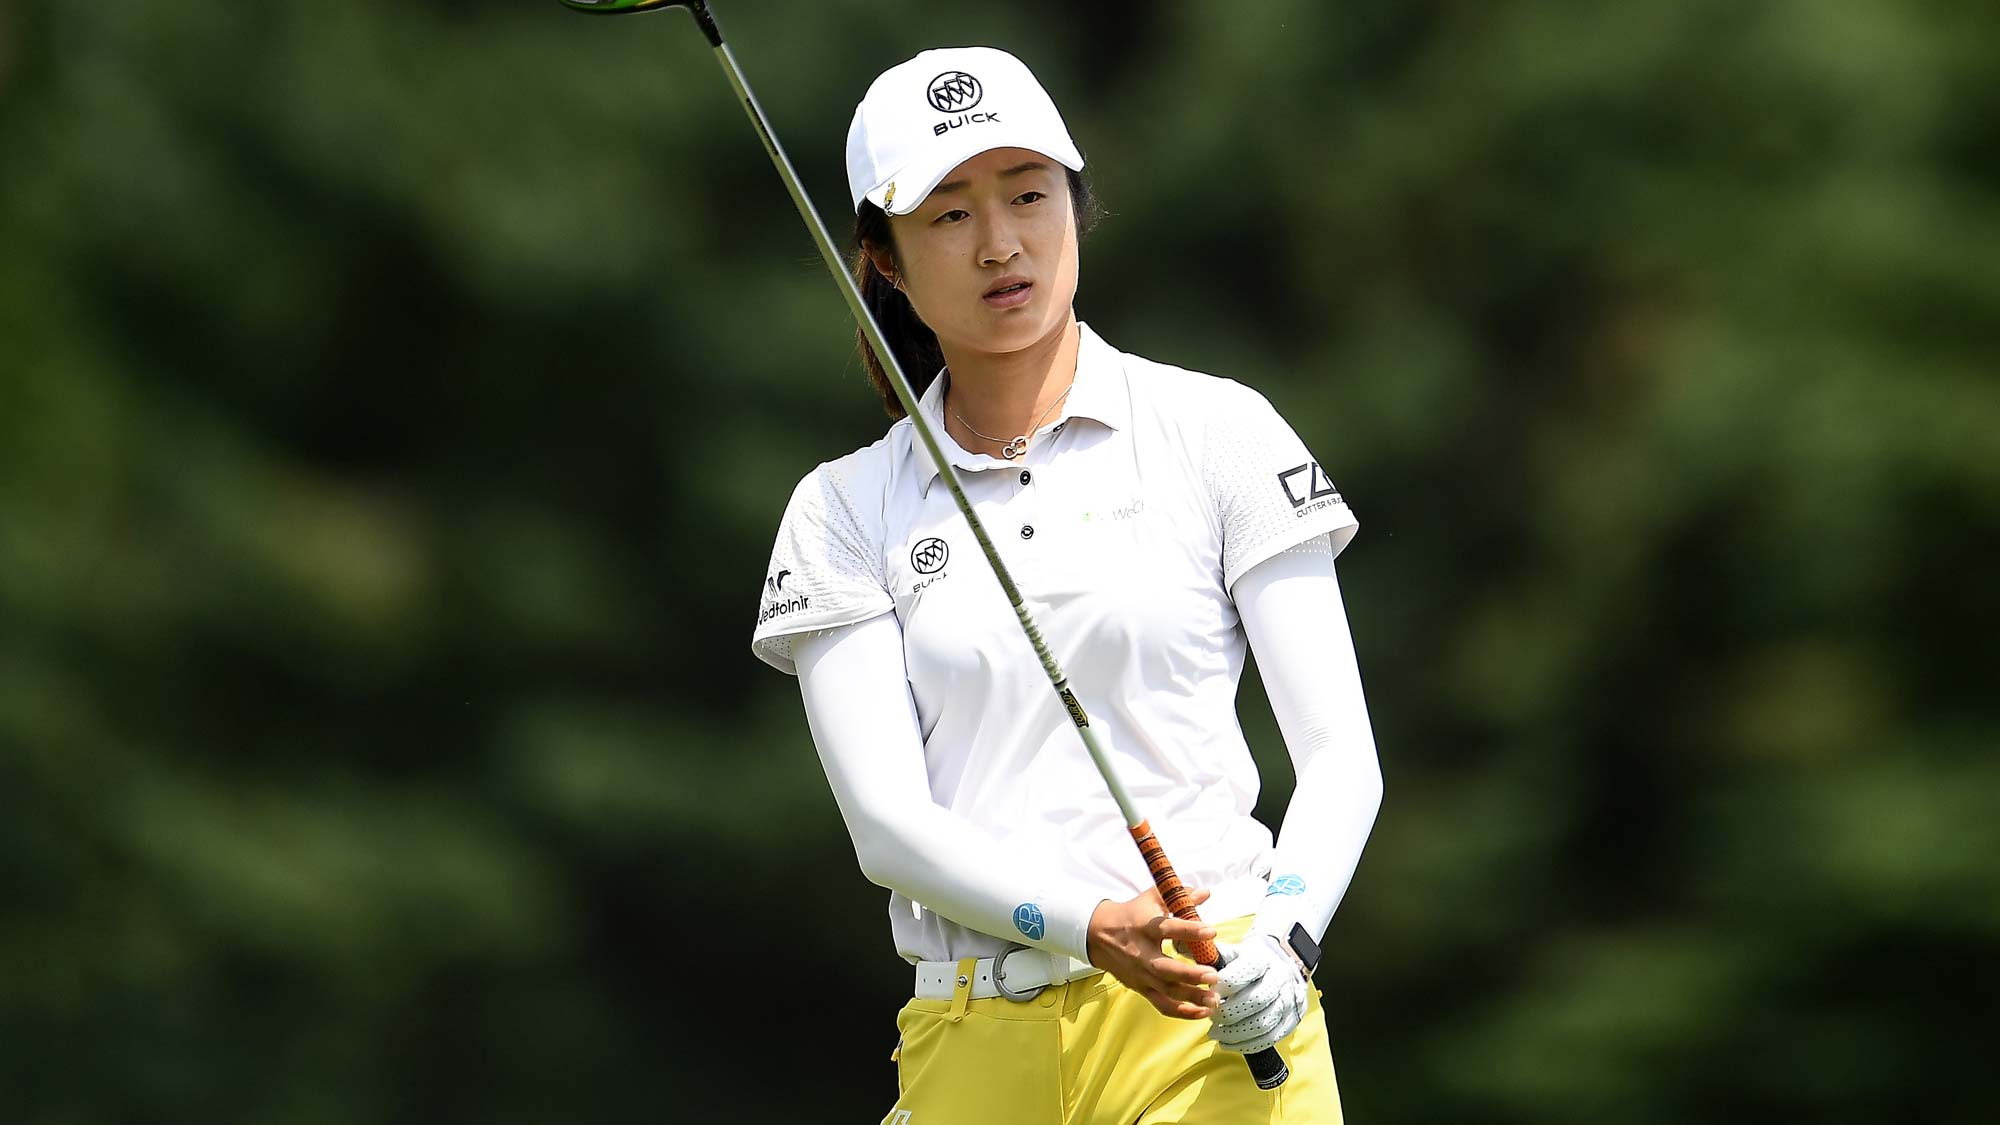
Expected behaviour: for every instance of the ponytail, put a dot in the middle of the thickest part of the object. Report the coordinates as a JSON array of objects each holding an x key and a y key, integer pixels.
[{"x": 910, "y": 340}]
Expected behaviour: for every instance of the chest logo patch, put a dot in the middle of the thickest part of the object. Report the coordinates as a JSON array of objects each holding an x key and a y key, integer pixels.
[{"x": 929, "y": 555}]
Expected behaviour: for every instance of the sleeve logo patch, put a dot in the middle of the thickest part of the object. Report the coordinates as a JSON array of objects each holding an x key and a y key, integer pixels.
[
  {"x": 1286, "y": 885},
  {"x": 1318, "y": 487},
  {"x": 1028, "y": 920},
  {"x": 781, "y": 601},
  {"x": 783, "y": 606}
]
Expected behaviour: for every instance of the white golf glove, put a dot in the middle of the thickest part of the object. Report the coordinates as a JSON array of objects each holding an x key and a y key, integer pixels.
[{"x": 1263, "y": 995}]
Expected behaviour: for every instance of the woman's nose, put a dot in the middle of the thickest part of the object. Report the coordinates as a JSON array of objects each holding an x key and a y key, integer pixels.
[{"x": 999, "y": 246}]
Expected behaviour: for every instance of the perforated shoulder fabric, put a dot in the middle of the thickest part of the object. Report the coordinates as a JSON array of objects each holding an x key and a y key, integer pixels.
[
  {"x": 1269, "y": 491},
  {"x": 826, "y": 567}
]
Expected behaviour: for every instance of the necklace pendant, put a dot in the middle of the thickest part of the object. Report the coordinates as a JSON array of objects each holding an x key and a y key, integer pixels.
[{"x": 1015, "y": 448}]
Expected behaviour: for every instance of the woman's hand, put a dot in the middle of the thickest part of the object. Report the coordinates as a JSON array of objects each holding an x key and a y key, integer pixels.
[
  {"x": 1125, "y": 941},
  {"x": 1263, "y": 992}
]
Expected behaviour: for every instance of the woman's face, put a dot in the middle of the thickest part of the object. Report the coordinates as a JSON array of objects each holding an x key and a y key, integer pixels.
[{"x": 989, "y": 258}]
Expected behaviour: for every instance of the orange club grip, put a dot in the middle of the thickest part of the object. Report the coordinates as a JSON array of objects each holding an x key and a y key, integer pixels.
[{"x": 1172, "y": 892}]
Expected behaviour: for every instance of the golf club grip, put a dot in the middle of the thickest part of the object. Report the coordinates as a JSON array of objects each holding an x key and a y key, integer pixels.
[
  {"x": 1267, "y": 1066},
  {"x": 1172, "y": 892}
]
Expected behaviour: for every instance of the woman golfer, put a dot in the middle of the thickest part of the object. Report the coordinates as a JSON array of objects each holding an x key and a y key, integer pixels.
[{"x": 1158, "y": 522}]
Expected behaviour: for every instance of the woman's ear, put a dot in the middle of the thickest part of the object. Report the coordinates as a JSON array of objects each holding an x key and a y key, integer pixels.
[{"x": 884, "y": 262}]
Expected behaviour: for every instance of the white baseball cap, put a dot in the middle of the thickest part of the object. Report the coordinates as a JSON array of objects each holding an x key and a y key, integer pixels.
[{"x": 922, "y": 118}]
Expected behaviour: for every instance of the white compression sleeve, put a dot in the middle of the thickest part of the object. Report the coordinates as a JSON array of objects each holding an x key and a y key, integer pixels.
[
  {"x": 1291, "y": 609},
  {"x": 865, "y": 725}
]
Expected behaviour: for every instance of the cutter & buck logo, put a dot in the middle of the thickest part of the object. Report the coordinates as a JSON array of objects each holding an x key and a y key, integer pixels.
[{"x": 1308, "y": 488}]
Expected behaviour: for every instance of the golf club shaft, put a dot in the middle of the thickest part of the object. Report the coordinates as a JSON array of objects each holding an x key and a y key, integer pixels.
[{"x": 1269, "y": 1068}]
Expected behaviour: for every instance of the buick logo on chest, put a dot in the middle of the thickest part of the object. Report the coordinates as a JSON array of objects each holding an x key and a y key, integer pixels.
[
  {"x": 953, "y": 91},
  {"x": 928, "y": 557}
]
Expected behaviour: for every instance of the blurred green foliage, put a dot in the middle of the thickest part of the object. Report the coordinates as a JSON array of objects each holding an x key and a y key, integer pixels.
[{"x": 397, "y": 402}]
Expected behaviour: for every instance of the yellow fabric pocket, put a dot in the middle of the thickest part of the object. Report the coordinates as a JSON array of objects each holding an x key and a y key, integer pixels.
[{"x": 975, "y": 1069}]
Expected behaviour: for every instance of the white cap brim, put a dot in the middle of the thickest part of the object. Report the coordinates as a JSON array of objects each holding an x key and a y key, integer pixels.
[{"x": 913, "y": 184}]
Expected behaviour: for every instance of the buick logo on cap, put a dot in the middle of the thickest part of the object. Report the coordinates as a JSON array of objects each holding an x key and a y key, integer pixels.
[
  {"x": 928, "y": 557},
  {"x": 954, "y": 90}
]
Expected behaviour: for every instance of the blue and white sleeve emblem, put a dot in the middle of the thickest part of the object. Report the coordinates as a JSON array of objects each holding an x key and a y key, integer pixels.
[
  {"x": 1028, "y": 920},
  {"x": 1286, "y": 885}
]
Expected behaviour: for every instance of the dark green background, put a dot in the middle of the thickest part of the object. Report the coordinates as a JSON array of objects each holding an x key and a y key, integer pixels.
[{"x": 397, "y": 402}]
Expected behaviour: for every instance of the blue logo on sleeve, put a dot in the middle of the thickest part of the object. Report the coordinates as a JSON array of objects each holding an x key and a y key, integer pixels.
[
  {"x": 1286, "y": 885},
  {"x": 1028, "y": 920}
]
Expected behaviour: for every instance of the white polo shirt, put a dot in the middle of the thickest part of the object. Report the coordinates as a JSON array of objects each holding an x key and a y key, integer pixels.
[{"x": 1124, "y": 525}]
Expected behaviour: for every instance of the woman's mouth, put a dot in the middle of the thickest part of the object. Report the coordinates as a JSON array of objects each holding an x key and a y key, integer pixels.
[{"x": 1010, "y": 292}]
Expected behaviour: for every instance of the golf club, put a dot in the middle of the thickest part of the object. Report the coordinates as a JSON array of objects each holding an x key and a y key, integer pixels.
[{"x": 1266, "y": 1066}]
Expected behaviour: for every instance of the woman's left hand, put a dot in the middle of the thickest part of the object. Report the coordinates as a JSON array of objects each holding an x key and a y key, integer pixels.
[{"x": 1263, "y": 990}]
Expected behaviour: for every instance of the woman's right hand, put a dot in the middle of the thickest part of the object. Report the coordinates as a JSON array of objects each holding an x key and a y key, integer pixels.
[{"x": 1125, "y": 941}]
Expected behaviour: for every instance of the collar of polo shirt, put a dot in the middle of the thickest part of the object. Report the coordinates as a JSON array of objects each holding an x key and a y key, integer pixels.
[{"x": 1099, "y": 394}]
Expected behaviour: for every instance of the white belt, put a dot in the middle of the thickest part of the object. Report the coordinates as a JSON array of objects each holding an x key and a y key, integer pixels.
[{"x": 1024, "y": 972}]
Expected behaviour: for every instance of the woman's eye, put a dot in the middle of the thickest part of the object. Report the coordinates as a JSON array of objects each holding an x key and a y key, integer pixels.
[
  {"x": 952, "y": 216},
  {"x": 1030, "y": 197}
]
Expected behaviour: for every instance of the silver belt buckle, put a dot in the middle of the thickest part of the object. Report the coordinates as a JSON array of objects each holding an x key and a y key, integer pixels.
[{"x": 1000, "y": 977}]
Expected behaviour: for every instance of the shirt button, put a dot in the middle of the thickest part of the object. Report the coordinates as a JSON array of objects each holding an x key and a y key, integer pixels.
[
  {"x": 1025, "y": 478},
  {"x": 1027, "y": 531}
]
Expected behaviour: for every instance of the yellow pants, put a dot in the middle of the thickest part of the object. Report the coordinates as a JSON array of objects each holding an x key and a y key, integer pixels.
[{"x": 1093, "y": 1051}]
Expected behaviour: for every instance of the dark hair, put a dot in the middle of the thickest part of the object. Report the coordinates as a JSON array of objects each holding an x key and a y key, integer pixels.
[{"x": 911, "y": 340}]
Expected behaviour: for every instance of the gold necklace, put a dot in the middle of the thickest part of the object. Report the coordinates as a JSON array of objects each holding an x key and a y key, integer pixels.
[{"x": 1010, "y": 449}]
